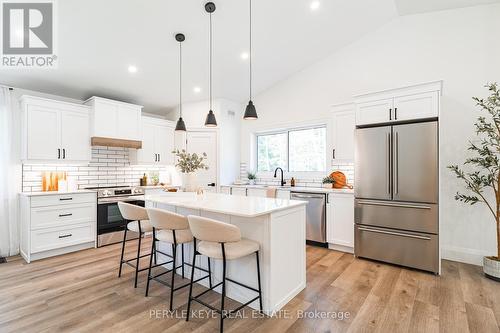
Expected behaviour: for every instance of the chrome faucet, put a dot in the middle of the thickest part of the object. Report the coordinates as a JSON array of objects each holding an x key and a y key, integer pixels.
[{"x": 276, "y": 171}]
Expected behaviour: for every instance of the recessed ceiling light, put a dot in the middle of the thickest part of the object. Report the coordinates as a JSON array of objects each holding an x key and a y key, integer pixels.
[
  {"x": 314, "y": 5},
  {"x": 244, "y": 56},
  {"x": 132, "y": 69},
  {"x": 197, "y": 89}
]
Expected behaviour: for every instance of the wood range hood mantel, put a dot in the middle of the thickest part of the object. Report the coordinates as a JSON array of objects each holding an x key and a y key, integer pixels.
[{"x": 111, "y": 142}]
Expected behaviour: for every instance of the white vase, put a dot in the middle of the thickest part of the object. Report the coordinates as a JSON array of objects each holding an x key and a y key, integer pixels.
[{"x": 189, "y": 182}]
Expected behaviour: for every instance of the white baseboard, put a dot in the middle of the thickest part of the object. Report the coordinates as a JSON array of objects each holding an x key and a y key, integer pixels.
[
  {"x": 340, "y": 248},
  {"x": 462, "y": 254}
]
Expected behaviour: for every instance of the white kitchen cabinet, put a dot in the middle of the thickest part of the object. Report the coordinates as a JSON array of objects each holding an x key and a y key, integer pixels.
[
  {"x": 54, "y": 131},
  {"x": 416, "y": 106},
  {"x": 372, "y": 112},
  {"x": 340, "y": 221},
  {"x": 343, "y": 127},
  {"x": 157, "y": 143},
  {"x": 241, "y": 191},
  {"x": 114, "y": 119},
  {"x": 225, "y": 189},
  {"x": 257, "y": 192},
  {"x": 403, "y": 104},
  {"x": 57, "y": 223},
  {"x": 281, "y": 194}
]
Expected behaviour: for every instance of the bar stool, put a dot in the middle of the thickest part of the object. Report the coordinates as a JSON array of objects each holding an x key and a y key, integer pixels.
[
  {"x": 173, "y": 229},
  {"x": 140, "y": 224},
  {"x": 219, "y": 240}
]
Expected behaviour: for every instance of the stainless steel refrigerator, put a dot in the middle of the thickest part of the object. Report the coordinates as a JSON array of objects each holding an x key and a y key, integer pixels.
[{"x": 396, "y": 191}]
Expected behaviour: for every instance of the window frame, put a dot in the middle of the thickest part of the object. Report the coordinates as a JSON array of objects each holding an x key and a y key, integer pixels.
[{"x": 287, "y": 132}]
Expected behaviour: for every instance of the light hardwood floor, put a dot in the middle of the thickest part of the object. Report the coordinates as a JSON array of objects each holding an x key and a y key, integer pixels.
[{"x": 80, "y": 292}]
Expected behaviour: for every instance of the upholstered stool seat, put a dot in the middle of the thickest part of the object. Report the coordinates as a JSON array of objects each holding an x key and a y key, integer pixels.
[
  {"x": 234, "y": 250},
  {"x": 138, "y": 217},
  {"x": 181, "y": 236},
  {"x": 172, "y": 229},
  {"x": 219, "y": 240},
  {"x": 145, "y": 226}
]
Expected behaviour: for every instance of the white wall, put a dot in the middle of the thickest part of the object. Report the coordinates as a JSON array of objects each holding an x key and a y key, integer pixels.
[
  {"x": 458, "y": 46},
  {"x": 228, "y": 115}
]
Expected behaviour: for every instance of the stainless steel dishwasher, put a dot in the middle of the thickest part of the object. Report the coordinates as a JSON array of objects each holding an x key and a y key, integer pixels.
[{"x": 315, "y": 216}]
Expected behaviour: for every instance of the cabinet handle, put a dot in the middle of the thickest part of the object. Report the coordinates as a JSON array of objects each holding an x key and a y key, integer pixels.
[
  {"x": 58, "y": 153},
  {"x": 395, "y": 113},
  {"x": 65, "y": 199},
  {"x": 390, "y": 114},
  {"x": 156, "y": 157},
  {"x": 159, "y": 157},
  {"x": 65, "y": 236},
  {"x": 63, "y": 215},
  {"x": 333, "y": 154},
  {"x": 64, "y": 153}
]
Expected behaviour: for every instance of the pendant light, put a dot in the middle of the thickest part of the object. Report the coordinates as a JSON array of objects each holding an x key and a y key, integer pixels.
[
  {"x": 250, "y": 112},
  {"x": 210, "y": 121},
  {"x": 180, "y": 126}
]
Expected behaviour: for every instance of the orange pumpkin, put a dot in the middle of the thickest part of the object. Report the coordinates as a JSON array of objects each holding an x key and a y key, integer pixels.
[{"x": 340, "y": 180}]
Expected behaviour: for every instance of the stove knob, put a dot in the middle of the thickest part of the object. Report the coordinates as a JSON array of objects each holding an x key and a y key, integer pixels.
[{"x": 106, "y": 193}]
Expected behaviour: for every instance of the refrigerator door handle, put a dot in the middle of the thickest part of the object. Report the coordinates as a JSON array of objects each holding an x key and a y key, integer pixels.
[
  {"x": 389, "y": 204},
  {"x": 389, "y": 163},
  {"x": 393, "y": 233},
  {"x": 396, "y": 162}
]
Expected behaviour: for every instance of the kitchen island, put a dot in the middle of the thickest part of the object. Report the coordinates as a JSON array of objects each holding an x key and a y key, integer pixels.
[{"x": 278, "y": 225}]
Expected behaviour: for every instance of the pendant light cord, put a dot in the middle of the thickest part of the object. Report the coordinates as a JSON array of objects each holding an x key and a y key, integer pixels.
[
  {"x": 180, "y": 79},
  {"x": 250, "y": 49},
  {"x": 210, "y": 69}
]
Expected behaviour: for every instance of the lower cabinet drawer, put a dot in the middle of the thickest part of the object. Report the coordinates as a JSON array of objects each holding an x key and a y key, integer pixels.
[
  {"x": 416, "y": 250},
  {"x": 58, "y": 216},
  {"x": 63, "y": 199},
  {"x": 54, "y": 238}
]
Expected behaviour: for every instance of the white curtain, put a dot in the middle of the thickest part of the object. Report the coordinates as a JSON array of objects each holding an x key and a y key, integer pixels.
[{"x": 9, "y": 165}]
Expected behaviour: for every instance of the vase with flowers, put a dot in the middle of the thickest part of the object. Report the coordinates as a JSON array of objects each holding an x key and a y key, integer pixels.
[{"x": 188, "y": 164}]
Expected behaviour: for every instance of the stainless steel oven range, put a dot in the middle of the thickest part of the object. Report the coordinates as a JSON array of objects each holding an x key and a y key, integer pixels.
[{"x": 110, "y": 223}]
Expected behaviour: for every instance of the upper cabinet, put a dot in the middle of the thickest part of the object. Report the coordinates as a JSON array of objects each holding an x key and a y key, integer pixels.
[
  {"x": 115, "y": 120},
  {"x": 403, "y": 104},
  {"x": 54, "y": 131},
  {"x": 343, "y": 126},
  {"x": 157, "y": 143}
]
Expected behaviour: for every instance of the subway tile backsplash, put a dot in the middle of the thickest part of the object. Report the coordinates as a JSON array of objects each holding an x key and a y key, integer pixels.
[{"x": 110, "y": 166}]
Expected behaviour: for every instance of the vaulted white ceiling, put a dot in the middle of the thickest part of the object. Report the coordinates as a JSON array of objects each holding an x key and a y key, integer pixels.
[{"x": 98, "y": 40}]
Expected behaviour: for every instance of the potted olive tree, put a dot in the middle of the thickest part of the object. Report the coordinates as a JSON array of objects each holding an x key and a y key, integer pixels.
[{"x": 483, "y": 181}]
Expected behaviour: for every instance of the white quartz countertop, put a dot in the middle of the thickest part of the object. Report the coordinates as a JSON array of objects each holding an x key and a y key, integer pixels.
[
  {"x": 297, "y": 188},
  {"x": 225, "y": 204},
  {"x": 36, "y": 194}
]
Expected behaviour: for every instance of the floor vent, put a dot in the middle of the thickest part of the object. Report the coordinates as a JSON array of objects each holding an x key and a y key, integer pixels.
[{"x": 3, "y": 260}]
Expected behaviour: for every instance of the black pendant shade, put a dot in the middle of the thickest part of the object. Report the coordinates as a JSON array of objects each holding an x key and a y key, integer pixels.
[
  {"x": 250, "y": 112},
  {"x": 210, "y": 121},
  {"x": 180, "y": 126}
]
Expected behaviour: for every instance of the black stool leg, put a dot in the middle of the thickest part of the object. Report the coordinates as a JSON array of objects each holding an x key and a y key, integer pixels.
[
  {"x": 209, "y": 273},
  {"x": 191, "y": 282},
  {"x": 223, "y": 288},
  {"x": 258, "y": 279},
  {"x": 172, "y": 287},
  {"x": 123, "y": 250},
  {"x": 182, "y": 250},
  {"x": 153, "y": 252},
  {"x": 137, "y": 261}
]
